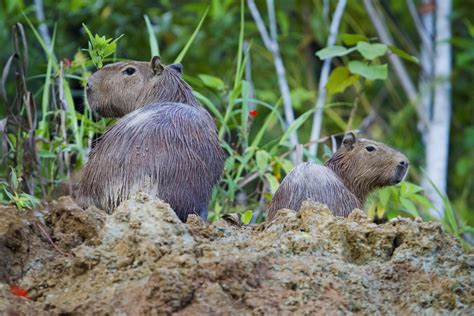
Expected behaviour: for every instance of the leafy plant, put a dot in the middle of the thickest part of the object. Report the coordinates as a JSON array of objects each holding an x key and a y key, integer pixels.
[
  {"x": 100, "y": 47},
  {"x": 404, "y": 199},
  {"x": 369, "y": 68},
  {"x": 12, "y": 196}
]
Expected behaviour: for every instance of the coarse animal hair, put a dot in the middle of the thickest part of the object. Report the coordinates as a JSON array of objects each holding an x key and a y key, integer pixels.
[
  {"x": 167, "y": 149},
  {"x": 120, "y": 88},
  {"x": 357, "y": 168}
]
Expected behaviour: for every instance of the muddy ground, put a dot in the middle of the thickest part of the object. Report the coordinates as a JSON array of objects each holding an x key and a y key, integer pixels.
[{"x": 142, "y": 260}]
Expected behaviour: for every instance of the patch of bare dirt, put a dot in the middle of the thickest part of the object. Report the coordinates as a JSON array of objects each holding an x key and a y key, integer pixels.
[{"x": 143, "y": 260}]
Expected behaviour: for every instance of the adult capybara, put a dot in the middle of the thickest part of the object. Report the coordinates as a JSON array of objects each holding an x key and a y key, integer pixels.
[
  {"x": 166, "y": 146},
  {"x": 357, "y": 168}
]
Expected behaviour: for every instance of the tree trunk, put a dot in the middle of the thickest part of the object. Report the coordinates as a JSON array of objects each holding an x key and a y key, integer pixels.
[{"x": 437, "y": 144}]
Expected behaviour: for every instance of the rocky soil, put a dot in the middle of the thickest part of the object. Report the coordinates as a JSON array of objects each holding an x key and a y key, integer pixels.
[{"x": 142, "y": 260}]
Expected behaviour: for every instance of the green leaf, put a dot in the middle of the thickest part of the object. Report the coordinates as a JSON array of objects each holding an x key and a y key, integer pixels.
[
  {"x": 371, "y": 72},
  {"x": 352, "y": 39},
  {"x": 384, "y": 197},
  {"x": 247, "y": 217},
  {"x": 340, "y": 79},
  {"x": 212, "y": 82},
  {"x": 286, "y": 164},
  {"x": 154, "y": 48},
  {"x": 334, "y": 51},
  {"x": 294, "y": 126},
  {"x": 272, "y": 181},
  {"x": 401, "y": 53},
  {"x": 210, "y": 106},
  {"x": 262, "y": 158},
  {"x": 409, "y": 207},
  {"x": 371, "y": 51}
]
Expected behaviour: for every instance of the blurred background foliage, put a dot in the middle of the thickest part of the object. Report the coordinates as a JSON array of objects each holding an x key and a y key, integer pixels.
[{"x": 210, "y": 68}]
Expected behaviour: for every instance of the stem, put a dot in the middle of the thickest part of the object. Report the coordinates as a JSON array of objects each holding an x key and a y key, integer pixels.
[{"x": 318, "y": 115}]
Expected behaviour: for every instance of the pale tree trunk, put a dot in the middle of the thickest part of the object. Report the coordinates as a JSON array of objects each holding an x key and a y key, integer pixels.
[{"x": 437, "y": 145}]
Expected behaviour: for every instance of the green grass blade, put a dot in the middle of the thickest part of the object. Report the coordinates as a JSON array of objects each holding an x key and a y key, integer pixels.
[
  {"x": 46, "y": 90},
  {"x": 263, "y": 129},
  {"x": 294, "y": 126},
  {"x": 241, "y": 43},
  {"x": 43, "y": 45},
  {"x": 154, "y": 48},
  {"x": 191, "y": 39}
]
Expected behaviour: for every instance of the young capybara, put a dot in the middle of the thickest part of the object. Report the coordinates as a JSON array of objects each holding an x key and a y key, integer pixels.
[
  {"x": 357, "y": 168},
  {"x": 166, "y": 144}
]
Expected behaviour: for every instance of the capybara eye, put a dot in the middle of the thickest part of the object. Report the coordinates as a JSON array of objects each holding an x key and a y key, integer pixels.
[
  {"x": 129, "y": 71},
  {"x": 370, "y": 148}
]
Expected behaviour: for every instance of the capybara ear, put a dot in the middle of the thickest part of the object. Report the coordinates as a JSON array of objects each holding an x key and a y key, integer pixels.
[
  {"x": 177, "y": 67},
  {"x": 156, "y": 65},
  {"x": 349, "y": 140}
]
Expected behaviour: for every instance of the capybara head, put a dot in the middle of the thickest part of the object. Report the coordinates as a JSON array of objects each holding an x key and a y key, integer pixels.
[
  {"x": 365, "y": 165},
  {"x": 120, "y": 88}
]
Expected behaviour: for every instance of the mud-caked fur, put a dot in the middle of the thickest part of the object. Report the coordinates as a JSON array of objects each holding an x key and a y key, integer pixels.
[
  {"x": 357, "y": 168},
  {"x": 167, "y": 148}
]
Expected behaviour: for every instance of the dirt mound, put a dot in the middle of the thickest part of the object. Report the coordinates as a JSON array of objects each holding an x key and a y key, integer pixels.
[{"x": 143, "y": 260}]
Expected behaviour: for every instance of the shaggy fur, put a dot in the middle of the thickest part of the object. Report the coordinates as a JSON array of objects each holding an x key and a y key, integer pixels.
[
  {"x": 167, "y": 149},
  {"x": 343, "y": 183}
]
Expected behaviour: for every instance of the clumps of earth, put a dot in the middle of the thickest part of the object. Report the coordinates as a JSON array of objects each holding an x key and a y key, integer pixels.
[{"x": 142, "y": 260}]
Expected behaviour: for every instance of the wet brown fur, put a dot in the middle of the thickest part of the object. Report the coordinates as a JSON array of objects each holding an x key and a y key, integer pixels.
[
  {"x": 163, "y": 146},
  {"x": 345, "y": 180}
]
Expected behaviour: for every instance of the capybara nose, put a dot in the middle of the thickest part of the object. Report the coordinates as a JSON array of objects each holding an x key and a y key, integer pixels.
[
  {"x": 88, "y": 86},
  {"x": 403, "y": 163}
]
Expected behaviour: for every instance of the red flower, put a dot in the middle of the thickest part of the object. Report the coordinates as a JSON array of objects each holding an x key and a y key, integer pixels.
[
  {"x": 253, "y": 113},
  {"x": 67, "y": 62},
  {"x": 18, "y": 291}
]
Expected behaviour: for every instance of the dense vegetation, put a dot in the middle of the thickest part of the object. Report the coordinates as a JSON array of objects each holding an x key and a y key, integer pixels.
[{"x": 50, "y": 128}]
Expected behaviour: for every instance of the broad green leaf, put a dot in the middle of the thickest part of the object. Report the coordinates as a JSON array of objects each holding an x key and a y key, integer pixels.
[
  {"x": 262, "y": 158},
  {"x": 340, "y": 79},
  {"x": 212, "y": 82},
  {"x": 384, "y": 197},
  {"x": 352, "y": 39},
  {"x": 409, "y": 207},
  {"x": 371, "y": 51},
  {"x": 272, "y": 181},
  {"x": 246, "y": 217},
  {"x": 371, "y": 72},
  {"x": 286, "y": 164},
  {"x": 333, "y": 51},
  {"x": 400, "y": 53}
]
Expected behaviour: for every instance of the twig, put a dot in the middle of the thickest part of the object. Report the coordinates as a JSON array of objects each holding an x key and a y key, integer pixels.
[
  {"x": 420, "y": 28},
  {"x": 318, "y": 115},
  {"x": 271, "y": 43},
  {"x": 51, "y": 241}
]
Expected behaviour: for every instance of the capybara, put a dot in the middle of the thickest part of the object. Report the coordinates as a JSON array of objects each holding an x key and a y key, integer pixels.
[
  {"x": 357, "y": 168},
  {"x": 166, "y": 144}
]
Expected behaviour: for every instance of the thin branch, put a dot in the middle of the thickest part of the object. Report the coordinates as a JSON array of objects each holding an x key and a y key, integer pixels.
[
  {"x": 318, "y": 115},
  {"x": 420, "y": 28},
  {"x": 260, "y": 24},
  {"x": 271, "y": 43}
]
